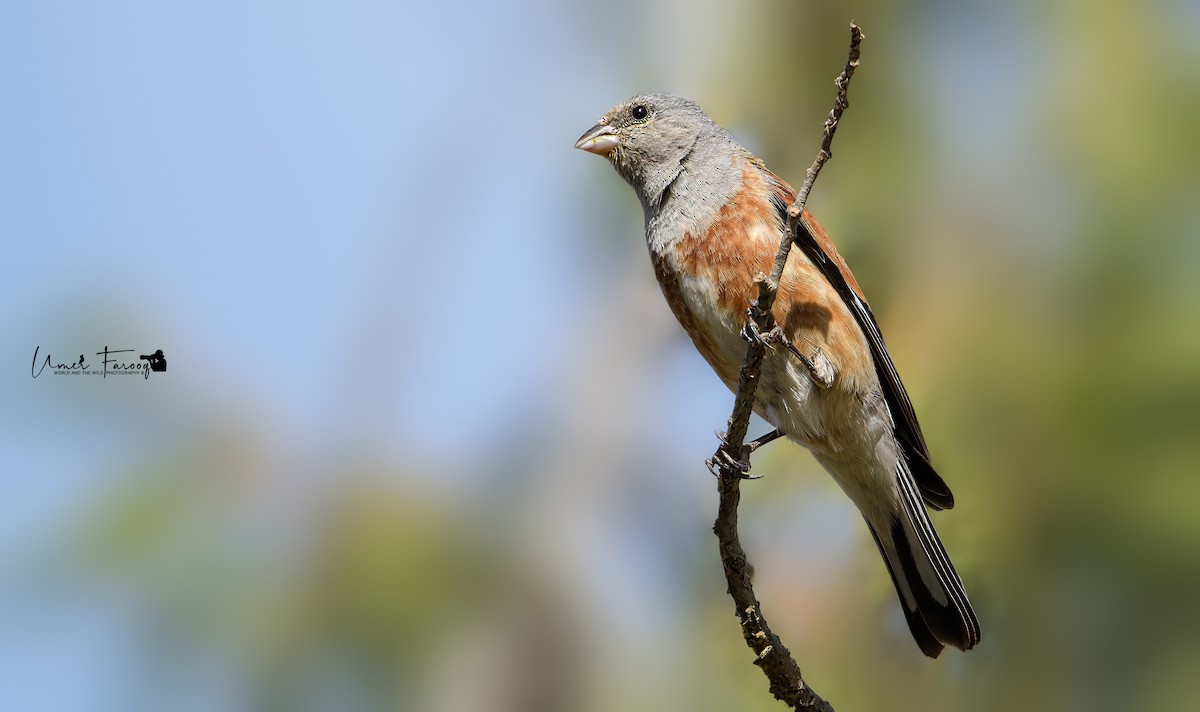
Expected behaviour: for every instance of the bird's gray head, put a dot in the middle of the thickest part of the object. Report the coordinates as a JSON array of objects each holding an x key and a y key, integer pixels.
[{"x": 650, "y": 138}]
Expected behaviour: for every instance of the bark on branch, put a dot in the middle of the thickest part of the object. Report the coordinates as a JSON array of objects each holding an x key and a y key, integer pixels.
[{"x": 731, "y": 462}]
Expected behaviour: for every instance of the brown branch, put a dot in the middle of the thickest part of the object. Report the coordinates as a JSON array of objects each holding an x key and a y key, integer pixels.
[{"x": 731, "y": 462}]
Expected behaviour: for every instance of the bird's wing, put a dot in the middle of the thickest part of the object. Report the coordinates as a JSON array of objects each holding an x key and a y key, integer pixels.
[{"x": 816, "y": 245}]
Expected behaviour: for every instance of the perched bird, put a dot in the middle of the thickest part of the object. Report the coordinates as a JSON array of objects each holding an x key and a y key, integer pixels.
[{"x": 714, "y": 219}]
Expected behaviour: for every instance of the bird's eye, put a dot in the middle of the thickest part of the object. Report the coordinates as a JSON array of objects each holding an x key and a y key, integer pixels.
[{"x": 639, "y": 112}]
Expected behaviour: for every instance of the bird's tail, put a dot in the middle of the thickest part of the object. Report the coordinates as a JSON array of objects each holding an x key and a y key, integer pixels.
[{"x": 935, "y": 603}]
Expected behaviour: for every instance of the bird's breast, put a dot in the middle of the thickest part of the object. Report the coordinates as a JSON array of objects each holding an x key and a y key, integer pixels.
[{"x": 708, "y": 279}]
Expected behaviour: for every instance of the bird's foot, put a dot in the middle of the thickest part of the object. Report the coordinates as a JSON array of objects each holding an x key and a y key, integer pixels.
[
  {"x": 724, "y": 461},
  {"x": 751, "y": 333},
  {"x": 819, "y": 367}
]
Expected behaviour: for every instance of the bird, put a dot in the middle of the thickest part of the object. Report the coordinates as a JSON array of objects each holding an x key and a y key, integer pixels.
[{"x": 714, "y": 219}]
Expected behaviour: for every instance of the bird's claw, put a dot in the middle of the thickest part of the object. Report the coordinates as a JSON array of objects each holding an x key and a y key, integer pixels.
[
  {"x": 724, "y": 463},
  {"x": 751, "y": 333},
  {"x": 818, "y": 365}
]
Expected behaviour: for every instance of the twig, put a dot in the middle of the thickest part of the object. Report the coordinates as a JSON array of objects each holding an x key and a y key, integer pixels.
[{"x": 731, "y": 462}]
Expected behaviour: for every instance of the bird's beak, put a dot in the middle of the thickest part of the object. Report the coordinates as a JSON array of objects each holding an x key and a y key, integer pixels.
[{"x": 600, "y": 139}]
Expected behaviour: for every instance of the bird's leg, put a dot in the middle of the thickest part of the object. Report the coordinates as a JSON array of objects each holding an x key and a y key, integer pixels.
[
  {"x": 769, "y": 437},
  {"x": 819, "y": 367}
]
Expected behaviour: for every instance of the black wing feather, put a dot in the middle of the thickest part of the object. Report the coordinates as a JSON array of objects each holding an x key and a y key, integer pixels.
[{"x": 933, "y": 488}]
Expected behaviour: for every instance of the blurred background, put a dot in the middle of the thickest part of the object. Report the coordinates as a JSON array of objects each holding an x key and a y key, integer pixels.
[{"x": 429, "y": 438}]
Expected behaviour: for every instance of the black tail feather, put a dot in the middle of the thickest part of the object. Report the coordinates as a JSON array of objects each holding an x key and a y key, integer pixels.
[
  {"x": 926, "y": 640},
  {"x": 935, "y": 603}
]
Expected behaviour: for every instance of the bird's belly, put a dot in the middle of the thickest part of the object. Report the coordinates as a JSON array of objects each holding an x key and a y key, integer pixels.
[
  {"x": 786, "y": 397},
  {"x": 827, "y": 421}
]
